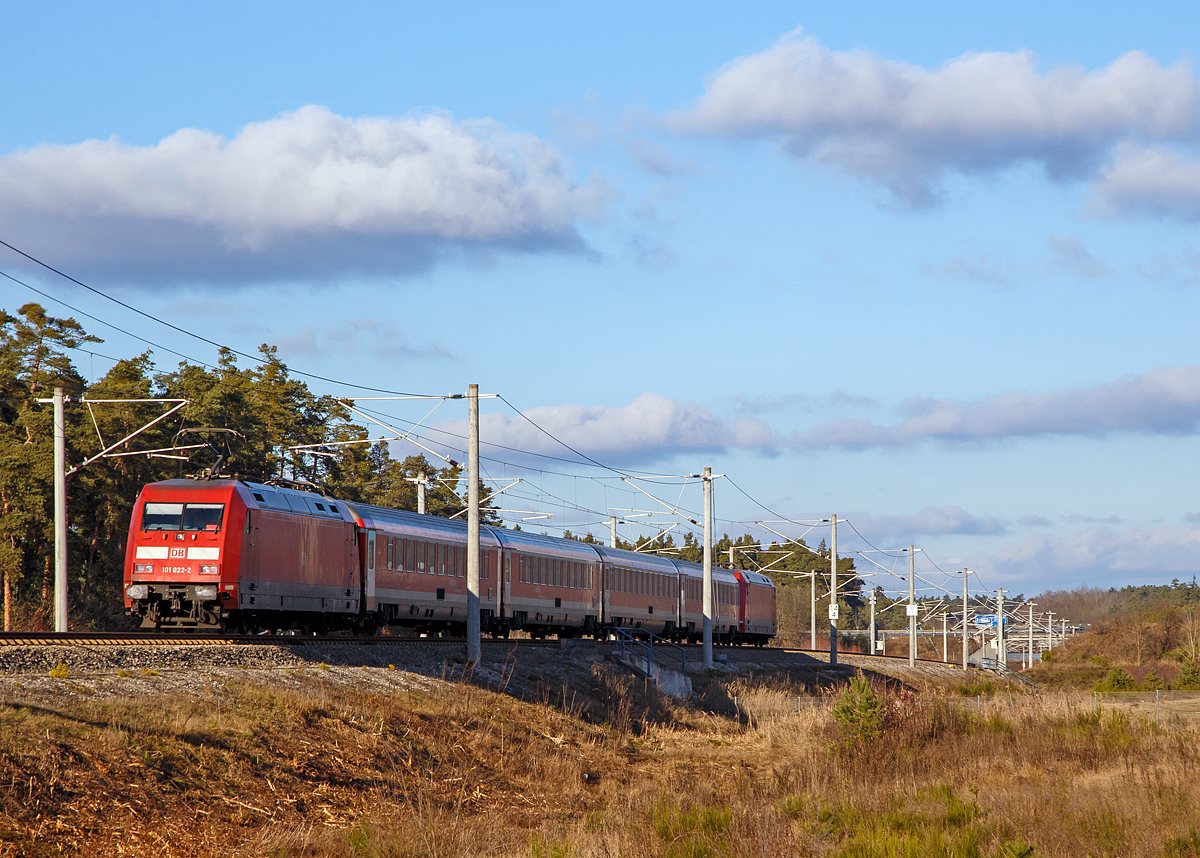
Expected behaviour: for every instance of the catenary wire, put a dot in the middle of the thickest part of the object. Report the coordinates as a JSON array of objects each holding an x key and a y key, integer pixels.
[{"x": 191, "y": 334}]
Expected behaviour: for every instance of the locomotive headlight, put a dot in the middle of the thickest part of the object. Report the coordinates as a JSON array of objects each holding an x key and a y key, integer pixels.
[
  {"x": 137, "y": 591},
  {"x": 143, "y": 568},
  {"x": 209, "y": 570},
  {"x": 206, "y": 591}
]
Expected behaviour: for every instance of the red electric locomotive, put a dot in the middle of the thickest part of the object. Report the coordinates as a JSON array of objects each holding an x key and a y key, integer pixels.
[{"x": 229, "y": 555}]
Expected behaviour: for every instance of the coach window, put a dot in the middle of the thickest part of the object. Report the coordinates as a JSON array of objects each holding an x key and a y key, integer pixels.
[
  {"x": 420, "y": 558},
  {"x": 440, "y": 565},
  {"x": 391, "y": 553},
  {"x": 460, "y": 560},
  {"x": 452, "y": 561}
]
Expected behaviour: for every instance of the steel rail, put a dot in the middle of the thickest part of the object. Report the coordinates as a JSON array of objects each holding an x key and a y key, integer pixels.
[{"x": 184, "y": 639}]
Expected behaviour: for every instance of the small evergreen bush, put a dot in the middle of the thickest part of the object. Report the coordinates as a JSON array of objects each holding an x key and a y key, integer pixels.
[
  {"x": 1118, "y": 679},
  {"x": 1189, "y": 677},
  {"x": 859, "y": 712}
]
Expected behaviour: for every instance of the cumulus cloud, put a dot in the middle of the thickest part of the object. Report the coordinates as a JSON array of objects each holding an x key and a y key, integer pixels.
[
  {"x": 932, "y": 520},
  {"x": 308, "y": 193},
  {"x": 1099, "y": 555},
  {"x": 377, "y": 338},
  {"x": 838, "y": 399},
  {"x": 1163, "y": 401},
  {"x": 654, "y": 158},
  {"x": 1150, "y": 179},
  {"x": 905, "y": 126},
  {"x": 648, "y": 428},
  {"x": 1034, "y": 521},
  {"x": 1072, "y": 256}
]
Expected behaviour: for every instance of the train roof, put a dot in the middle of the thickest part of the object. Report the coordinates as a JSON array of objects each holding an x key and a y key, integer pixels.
[
  {"x": 756, "y": 578},
  {"x": 436, "y": 527},
  {"x": 636, "y": 559},
  {"x": 524, "y": 540},
  {"x": 720, "y": 573}
]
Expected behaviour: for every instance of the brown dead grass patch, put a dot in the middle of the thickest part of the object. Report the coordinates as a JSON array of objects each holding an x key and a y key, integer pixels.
[{"x": 317, "y": 766}]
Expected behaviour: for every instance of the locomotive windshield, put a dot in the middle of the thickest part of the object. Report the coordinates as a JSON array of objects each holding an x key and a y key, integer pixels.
[{"x": 180, "y": 516}]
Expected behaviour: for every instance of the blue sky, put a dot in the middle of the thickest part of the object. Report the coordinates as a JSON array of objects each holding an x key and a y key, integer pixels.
[{"x": 932, "y": 268}]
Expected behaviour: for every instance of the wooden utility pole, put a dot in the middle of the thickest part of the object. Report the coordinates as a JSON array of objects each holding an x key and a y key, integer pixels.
[{"x": 473, "y": 631}]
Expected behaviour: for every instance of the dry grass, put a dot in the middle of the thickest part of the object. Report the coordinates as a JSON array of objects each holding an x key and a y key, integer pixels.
[{"x": 318, "y": 767}]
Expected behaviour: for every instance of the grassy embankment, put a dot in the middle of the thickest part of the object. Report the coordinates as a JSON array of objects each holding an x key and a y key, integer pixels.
[{"x": 318, "y": 767}]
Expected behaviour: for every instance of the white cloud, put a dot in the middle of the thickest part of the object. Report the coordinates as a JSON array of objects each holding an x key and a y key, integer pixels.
[
  {"x": 1163, "y": 401},
  {"x": 651, "y": 427},
  {"x": 377, "y": 338},
  {"x": 290, "y": 194},
  {"x": 905, "y": 126},
  {"x": 1150, "y": 179},
  {"x": 648, "y": 428},
  {"x": 1098, "y": 555},
  {"x": 932, "y": 520},
  {"x": 763, "y": 403},
  {"x": 1072, "y": 256},
  {"x": 654, "y": 158}
]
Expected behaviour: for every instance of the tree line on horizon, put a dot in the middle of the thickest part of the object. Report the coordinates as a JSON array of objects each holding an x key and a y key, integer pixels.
[{"x": 271, "y": 411}]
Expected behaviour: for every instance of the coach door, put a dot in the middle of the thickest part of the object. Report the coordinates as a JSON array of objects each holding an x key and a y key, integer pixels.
[
  {"x": 369, "y": 591},
  {"x": 504, "y": 585}
]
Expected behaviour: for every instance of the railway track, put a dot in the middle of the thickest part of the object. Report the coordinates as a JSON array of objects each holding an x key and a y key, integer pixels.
[{"x": 151, "y": 639}]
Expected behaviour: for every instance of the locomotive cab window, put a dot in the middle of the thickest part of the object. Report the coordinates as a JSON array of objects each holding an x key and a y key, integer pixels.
[{"x": 180, "y": 516}]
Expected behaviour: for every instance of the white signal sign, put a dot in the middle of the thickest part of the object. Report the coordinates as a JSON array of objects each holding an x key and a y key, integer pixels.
[{"x": 833, "y": 611}]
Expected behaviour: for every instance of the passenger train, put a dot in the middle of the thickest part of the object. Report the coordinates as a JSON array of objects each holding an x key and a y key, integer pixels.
[{"x": 230, "y": 555}]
